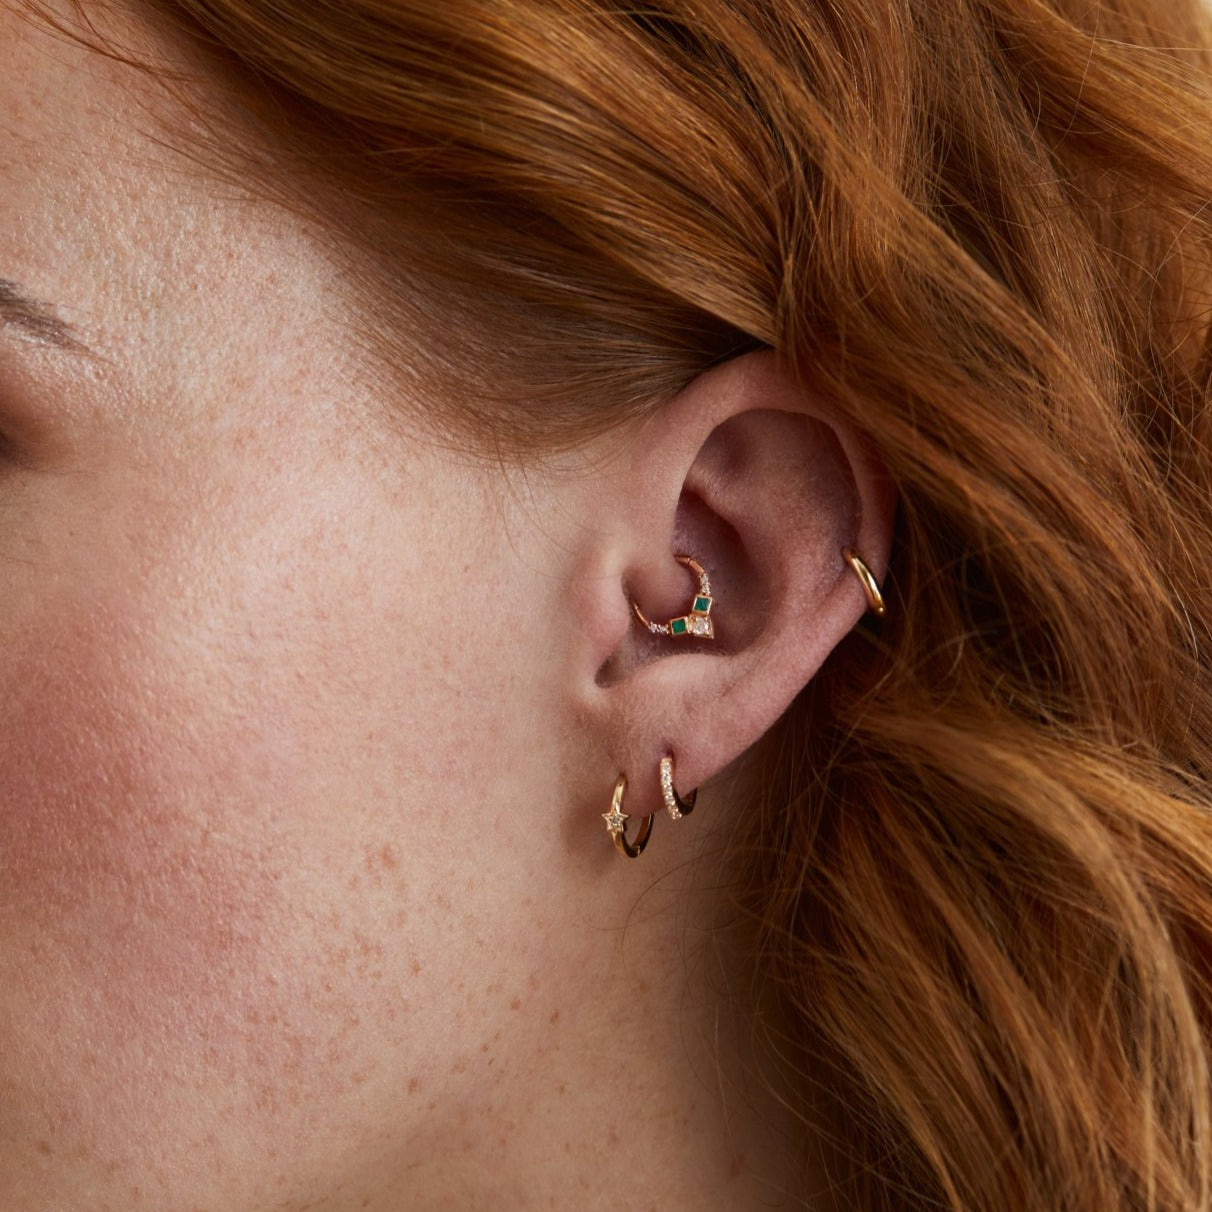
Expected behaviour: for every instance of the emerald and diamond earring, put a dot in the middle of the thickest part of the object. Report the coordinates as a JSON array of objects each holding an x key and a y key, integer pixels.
[{"x": 697, "y": 621}]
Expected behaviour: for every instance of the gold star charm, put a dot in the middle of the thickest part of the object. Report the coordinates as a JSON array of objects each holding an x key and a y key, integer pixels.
[
  {"x": 616, "y": 824},
  {"x": 616, "y": 821}
]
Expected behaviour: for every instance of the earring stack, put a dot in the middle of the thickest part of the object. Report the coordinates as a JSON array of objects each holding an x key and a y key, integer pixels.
[
  {"x": 616, "y": 819},
  {"x": 697, "y": 622}
]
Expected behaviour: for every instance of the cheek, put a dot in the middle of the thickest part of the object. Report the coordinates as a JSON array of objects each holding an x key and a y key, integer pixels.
[
  {"x": 205, "y": 918},
  {"x": 130, "y": 915},
  {"x": 94, "y": 751},
  {"x": 232, "y": 810}
]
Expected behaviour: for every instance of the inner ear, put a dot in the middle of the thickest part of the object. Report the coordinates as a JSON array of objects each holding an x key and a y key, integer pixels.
[
  {"x": 784, "y": 482},
  {"x": 765, "y": 488},
  {"x": 709, "y": 537}
]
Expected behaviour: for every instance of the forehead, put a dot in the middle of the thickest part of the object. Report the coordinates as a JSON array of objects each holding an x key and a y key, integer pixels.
[{"x": 163, "y": 266}]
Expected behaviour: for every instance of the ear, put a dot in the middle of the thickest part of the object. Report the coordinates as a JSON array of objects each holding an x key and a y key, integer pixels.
[{"x": 763, "y": 484}]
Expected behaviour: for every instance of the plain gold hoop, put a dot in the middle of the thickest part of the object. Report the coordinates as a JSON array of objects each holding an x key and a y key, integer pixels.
[
  {"x": 875, "y": 599},
  {"x": 675, "y": 805},
  {"x": 697, "y": 620},
  {"x": 616, "y": 824}
]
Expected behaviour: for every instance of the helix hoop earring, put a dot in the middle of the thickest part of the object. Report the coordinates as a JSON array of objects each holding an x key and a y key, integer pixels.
[
  {"x": 674, "y": 804},
  {"x": 875, "y": 599},
  {"x": 697, "y": 621},
  {"x": 616, "y": 824}
]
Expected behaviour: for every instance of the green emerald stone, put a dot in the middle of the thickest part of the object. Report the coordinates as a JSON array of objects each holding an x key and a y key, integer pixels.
[
  {"x": 677, "y": 626},
  {"x": 702, "y": 604}
]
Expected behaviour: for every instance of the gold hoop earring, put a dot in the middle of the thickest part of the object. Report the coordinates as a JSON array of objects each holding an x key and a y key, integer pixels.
[
  {"x": 697, "y": 621},
  {"x": 616, "y": 824},
  {"x": 875, "y": 599},
  {"x": 674, "y": 804}
]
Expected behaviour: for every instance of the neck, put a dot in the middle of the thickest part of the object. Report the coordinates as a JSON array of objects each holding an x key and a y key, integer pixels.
[{"x": 636, "y": 1089}]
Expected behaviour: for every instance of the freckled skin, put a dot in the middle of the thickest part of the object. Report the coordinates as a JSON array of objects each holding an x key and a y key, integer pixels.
[
  {"x": 304, "y": 895},
  {"x": 235, "y": 788}
]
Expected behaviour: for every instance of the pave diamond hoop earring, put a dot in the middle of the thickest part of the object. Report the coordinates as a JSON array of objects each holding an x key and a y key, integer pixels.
[
  {"x": 616, "y": 824},
  {"x": 697, "y": 621},
  {"x": 674, "y": 804},
  {"x": 875, "y": 599}
]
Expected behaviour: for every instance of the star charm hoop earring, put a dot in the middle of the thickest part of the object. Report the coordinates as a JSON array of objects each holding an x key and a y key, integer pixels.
[
  {"x": 697, "y": 621},
  {"x": 616, "y": 824}
]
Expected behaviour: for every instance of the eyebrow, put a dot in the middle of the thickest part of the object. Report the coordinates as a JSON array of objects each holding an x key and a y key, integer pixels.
[{"x": 37, "y": 320}]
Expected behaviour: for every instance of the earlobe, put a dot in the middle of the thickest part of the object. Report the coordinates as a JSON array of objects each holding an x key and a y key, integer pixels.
[{"x": 749, "y": 504}]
